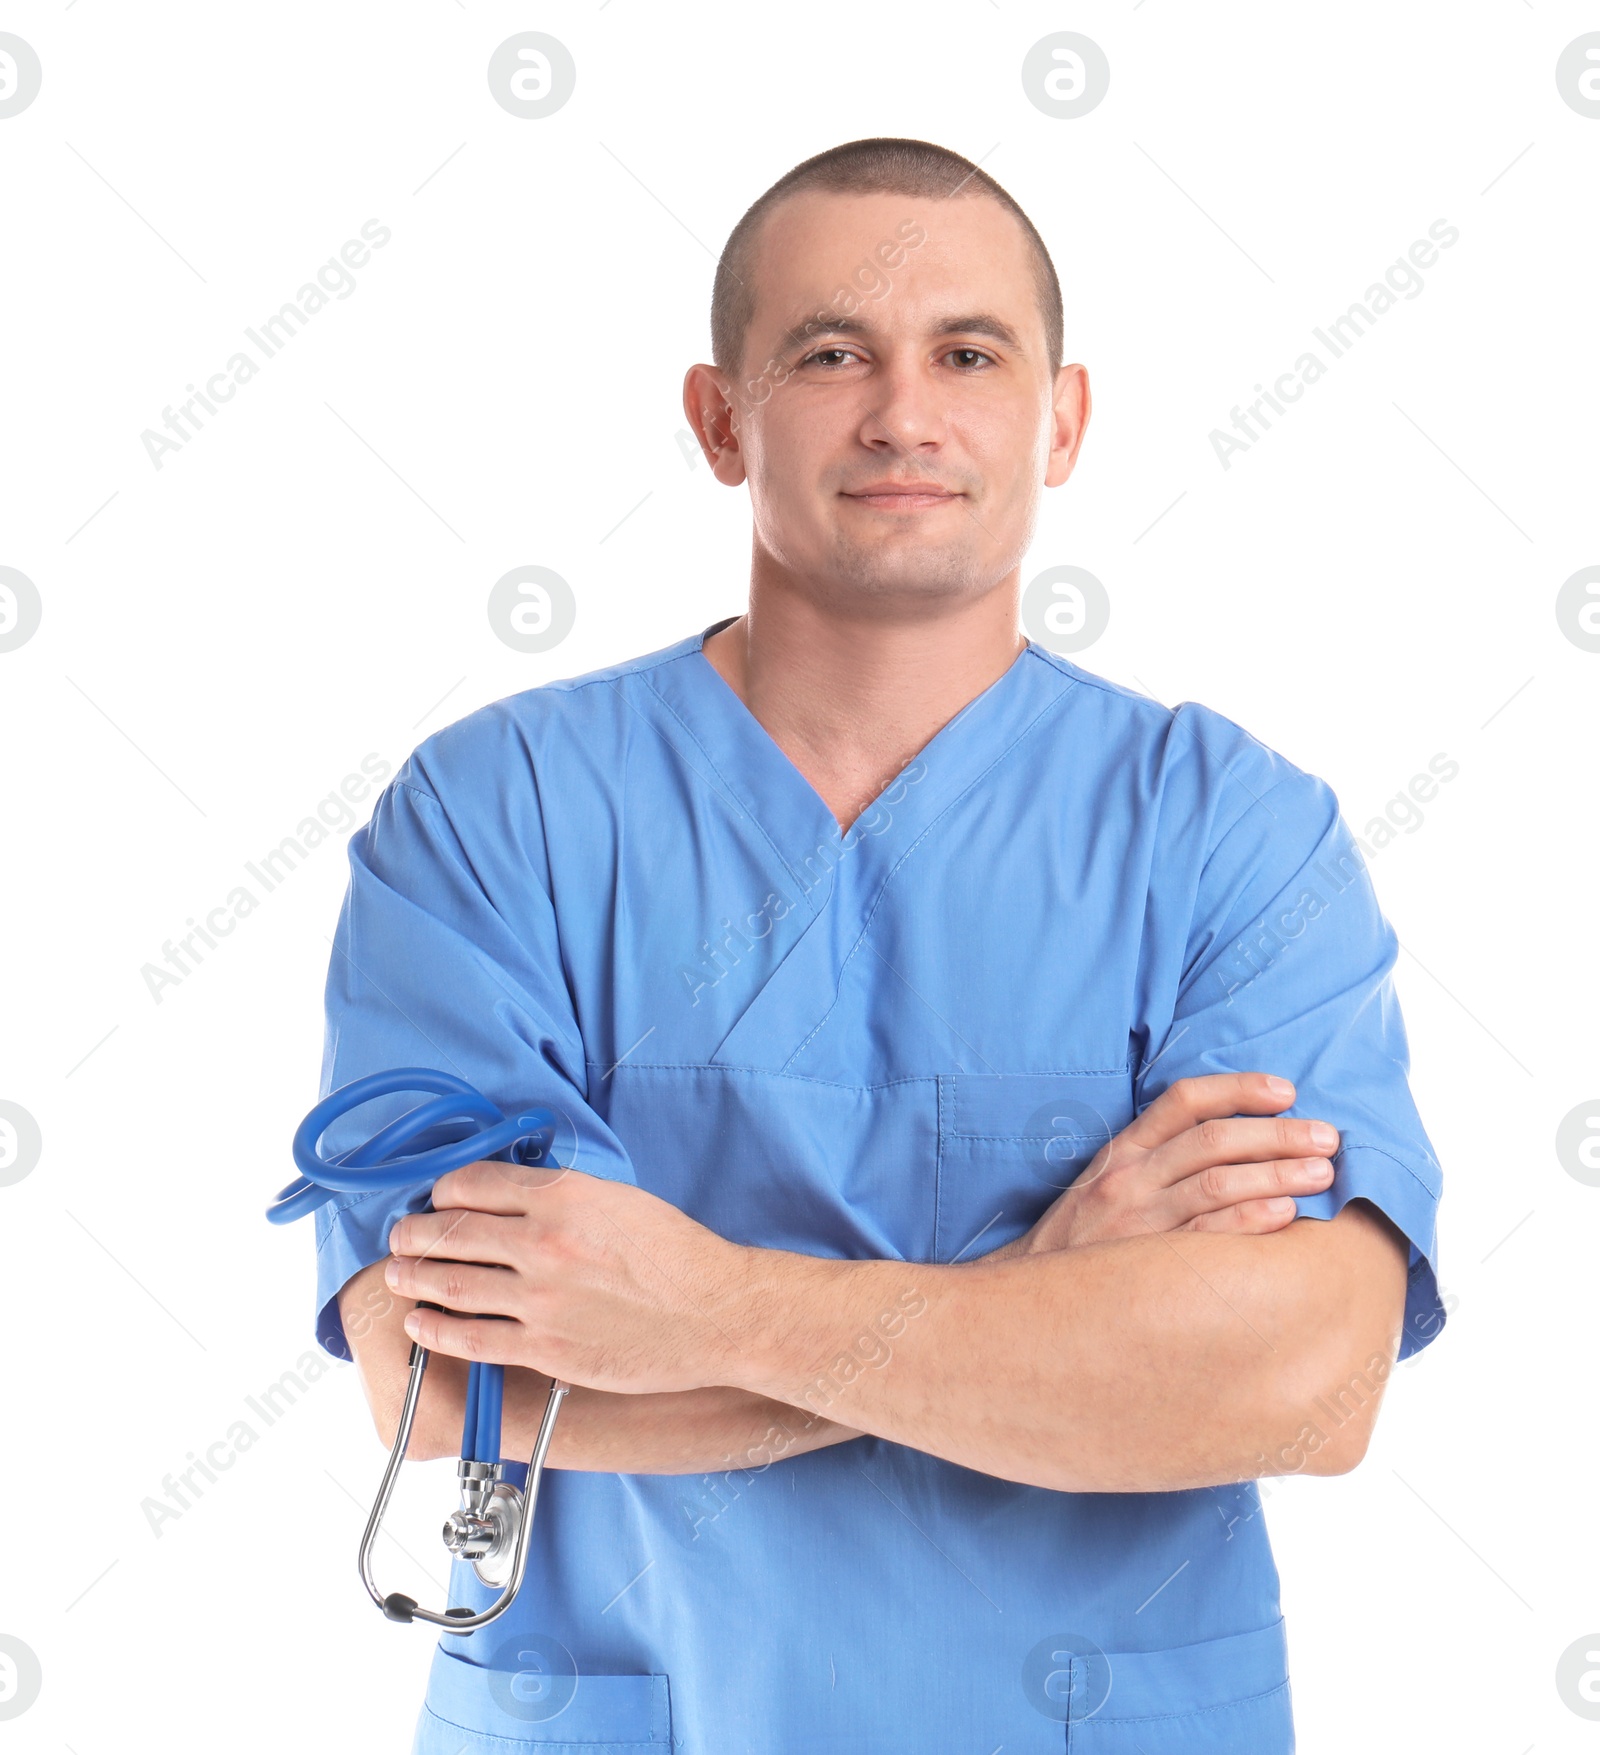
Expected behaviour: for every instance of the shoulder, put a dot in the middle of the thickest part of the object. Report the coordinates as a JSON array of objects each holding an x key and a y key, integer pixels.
[
  {"x": 1205, "y": 772},
  {"x": 507, "y": 744}
]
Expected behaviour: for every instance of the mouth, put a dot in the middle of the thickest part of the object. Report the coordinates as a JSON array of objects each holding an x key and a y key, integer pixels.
[{"x": 899, "y": 497}]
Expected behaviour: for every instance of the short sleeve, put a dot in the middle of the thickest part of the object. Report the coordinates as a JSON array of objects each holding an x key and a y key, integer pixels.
[
  {"x": 428, "y": 971},
  {"x": 1287, "y": 970}
]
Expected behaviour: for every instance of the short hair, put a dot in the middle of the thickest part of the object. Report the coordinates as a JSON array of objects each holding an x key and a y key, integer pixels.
[{"x": 879, "y": 166}]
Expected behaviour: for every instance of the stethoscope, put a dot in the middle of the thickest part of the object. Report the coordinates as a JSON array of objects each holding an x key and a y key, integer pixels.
[{"x": 492, "y": 1527}]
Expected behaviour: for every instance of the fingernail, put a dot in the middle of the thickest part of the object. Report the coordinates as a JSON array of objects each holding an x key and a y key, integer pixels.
[
  {"x": 1281, "y": 1206},
  {"x": 413, "y": 1323},
  {"x": 1322, "y": 1172},
  {"x": 392, "y": 1274},
  {"x": 1280, "y": 1087},
  {"x": 1323, "y": 1135}
]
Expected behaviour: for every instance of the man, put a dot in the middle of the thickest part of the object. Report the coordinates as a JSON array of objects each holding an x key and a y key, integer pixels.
[{"x": 935, "y": 1243}]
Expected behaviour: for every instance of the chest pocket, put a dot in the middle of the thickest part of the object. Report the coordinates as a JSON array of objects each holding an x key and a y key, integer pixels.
[{"x": 1009, "y": 1143}]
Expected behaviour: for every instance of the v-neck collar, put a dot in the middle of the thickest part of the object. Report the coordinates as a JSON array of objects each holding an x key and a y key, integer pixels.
[{"x": 792, "y": 814}]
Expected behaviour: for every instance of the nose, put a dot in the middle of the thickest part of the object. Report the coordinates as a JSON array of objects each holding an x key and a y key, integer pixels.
[{"x": 902, "y": 411}]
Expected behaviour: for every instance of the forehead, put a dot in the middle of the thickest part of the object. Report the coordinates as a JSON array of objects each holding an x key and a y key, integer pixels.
[{"x": 907, "y": 260}]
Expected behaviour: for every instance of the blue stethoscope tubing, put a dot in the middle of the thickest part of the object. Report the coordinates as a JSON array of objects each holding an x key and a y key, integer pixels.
[
  {"x": 380, "y": 1162},
  {"x": 384, "y": 1162}
]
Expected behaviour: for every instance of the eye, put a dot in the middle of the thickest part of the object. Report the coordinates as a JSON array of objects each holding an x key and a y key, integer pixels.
[
  {"x": 826, "y": 352},
  {"x": 972, "y": 354}
]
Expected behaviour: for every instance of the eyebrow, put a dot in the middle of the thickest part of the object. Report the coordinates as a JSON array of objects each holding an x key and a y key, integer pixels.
[{"x": 837, "y": 323}]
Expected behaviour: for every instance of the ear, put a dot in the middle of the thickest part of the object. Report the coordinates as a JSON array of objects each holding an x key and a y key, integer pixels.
[
  {"x": 1070, "y": 416},
  {"x": 708, "y": 408}
]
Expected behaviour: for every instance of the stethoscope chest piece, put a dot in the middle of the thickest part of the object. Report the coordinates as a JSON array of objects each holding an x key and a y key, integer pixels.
[{"x": 486, "y": 1528}]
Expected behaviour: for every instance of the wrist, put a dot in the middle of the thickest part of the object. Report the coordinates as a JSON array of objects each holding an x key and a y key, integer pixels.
[
  {"x": 819, "y": 1324},
  {"x": 777, "y": 1302}
]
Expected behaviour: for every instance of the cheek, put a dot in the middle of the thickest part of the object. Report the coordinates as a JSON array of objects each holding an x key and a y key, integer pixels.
[
  {"x": 1007, "y": 453},
  {"x": 792, "y": 461},
  {"x": 1008, "y": 442}
]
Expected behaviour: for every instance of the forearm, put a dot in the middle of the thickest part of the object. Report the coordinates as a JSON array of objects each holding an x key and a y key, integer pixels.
[
  {"x": 682, "y": 1432},
  {"x": 1145, "y": 1364}
]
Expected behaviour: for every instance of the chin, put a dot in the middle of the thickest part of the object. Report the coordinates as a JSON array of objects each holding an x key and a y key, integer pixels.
[{"x": 932, "y": 576}]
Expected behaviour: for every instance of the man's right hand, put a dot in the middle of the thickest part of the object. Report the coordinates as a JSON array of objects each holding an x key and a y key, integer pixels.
[
  {"x": 679, "y": 1432},
  {"x": 1198, "y": 1159}
]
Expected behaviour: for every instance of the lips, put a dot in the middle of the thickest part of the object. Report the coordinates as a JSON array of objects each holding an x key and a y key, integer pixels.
[{"x": 905, "y": 492}]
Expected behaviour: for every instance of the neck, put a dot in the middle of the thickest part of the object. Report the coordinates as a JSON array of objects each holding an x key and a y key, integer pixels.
[{"x": 850, "y": 700}]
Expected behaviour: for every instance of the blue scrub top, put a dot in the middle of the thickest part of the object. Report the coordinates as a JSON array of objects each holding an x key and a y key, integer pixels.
[{"x": 617, "y": 897}]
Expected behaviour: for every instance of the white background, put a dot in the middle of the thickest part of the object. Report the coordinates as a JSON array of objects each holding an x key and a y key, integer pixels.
[{"x": 224, "y": 639}]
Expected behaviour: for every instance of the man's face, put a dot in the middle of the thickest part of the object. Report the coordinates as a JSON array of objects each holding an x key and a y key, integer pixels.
[{"x": 897, "y": 345}]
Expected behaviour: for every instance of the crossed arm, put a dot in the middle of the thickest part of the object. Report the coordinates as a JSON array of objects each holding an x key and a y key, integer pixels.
[{"x": 1167, "y": 1324}]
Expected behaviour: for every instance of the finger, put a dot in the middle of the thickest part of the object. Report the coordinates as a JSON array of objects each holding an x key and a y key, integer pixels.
[
  {"x": 458, "y": 1234},
  {"x": 458, "y": 1285},
  {"x": 1242, "y": 1140},
  {"x": 492, "y": 1187},
  {"x": 1204, "y": 1098},
  {"x": 1229, "y": 1185},
  {"x": 484, "y": 1340},
  {"x": 1251, "y": 1218}
]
